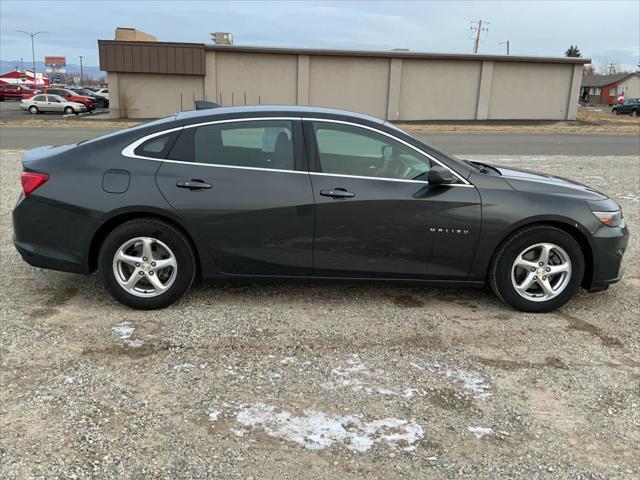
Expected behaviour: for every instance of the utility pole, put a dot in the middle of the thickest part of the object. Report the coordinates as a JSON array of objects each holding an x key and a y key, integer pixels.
[
  {"x": 505, "y": 43},
  {"x": 478, "y": 29},
  {"x": 33, "y": 51},
  {"x": 81, "y": 81}
]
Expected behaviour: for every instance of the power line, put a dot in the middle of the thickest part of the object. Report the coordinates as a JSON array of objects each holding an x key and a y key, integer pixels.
[{"x": 478, "y": 28}]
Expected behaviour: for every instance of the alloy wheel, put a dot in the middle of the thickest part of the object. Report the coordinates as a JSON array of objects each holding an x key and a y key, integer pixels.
[
  {"x": 145, "y": 267},
  {"x": 541, "y": 272}
]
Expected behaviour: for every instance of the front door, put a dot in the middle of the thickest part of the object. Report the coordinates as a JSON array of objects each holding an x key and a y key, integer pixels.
[
  {"x": 377, "y": 216},
  {"x": 244, "y": 188}
]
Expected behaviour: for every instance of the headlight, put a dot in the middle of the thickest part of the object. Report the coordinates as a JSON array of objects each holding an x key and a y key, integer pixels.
[{"x": 610, "y": 219}]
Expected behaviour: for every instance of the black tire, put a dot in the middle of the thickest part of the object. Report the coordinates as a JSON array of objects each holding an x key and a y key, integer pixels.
[
  {"x": 635, "y": 113},
  {"x": 101, "y": 103},
  {"x": 69, "y": 110},
  {"x": 34, "y": 110},
  {"x": 164, "y": 232},
  {"x": 500, "y": 272}
]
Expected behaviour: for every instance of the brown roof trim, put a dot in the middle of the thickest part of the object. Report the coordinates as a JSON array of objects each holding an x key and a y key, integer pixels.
[
  {"x": 151, "y": 57},
  {"x": 143, "y": 42},
  {"x": 395, "y": 54}
]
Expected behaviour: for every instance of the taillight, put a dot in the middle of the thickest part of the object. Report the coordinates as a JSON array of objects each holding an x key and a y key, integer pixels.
[{"x": 31, "y": 181}]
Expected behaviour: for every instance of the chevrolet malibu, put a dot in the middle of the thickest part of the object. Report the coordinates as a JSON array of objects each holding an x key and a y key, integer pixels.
[{"x": 299, "y": 192}]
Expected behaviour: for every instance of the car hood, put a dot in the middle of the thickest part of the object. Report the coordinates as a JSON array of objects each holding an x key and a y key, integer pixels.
[{"x": 536, "y": 182}]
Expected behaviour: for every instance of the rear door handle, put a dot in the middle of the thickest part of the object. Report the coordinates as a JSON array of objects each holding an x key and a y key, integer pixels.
[
  {"x": 337, "y": 193},
  {"x": 193, "y": 184}
]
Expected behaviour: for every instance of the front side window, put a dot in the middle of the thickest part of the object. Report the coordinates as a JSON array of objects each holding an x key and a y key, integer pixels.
[
  {"x": 349, "y": 150},
  {"x": 256, "y": 144}
]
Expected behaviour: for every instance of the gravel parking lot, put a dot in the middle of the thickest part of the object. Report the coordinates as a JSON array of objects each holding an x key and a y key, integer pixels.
[{"x": 320, "y": 381}]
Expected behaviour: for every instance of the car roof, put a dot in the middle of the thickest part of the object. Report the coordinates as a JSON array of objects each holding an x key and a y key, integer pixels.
[{"x": 272, "y": 110}]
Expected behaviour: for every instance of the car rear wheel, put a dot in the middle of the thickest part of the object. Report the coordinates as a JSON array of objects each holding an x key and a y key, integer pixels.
[
  {"x": 146, "y": 264},
  {"x": 634, "y": 113},
  {"x": 538, "y": 269},
  {"x": 101, "y": 103},
  {"x": 33, "y": 109},
  {"x": 69, "y": 110}
]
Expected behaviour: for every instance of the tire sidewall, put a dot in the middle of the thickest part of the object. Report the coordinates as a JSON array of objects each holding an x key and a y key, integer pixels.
[
  {"x": 34, "y": 110},
  {"x": 501, "y": 270},
  {"x": 163, "y": 232}
]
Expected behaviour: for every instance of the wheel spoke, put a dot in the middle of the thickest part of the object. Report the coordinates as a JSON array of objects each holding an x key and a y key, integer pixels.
[
  {"x": 147, "y": 251},
  {"x": 164, "y": 263},
  {"x": 128, "y": 259},
  {"x": 156, "y": 282},
  {"x": 546, "y": 286},
  {"x": 527, "y": 282},
  {"x": 133, "y": 280},
  {"x": 555, "y": 269},
  {"x": 526, "y": 264},
  {"x": 545, "y": 251}
]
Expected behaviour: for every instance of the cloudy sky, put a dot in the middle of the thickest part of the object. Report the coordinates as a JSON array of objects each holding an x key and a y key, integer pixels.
[{"x": 605, "y": 31}]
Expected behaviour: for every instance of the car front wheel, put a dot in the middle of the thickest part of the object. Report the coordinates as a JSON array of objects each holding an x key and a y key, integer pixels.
[
  {"x": 147, "y": 264},
  {"x": 538, "y": 269},
  {"x": 33, "y": 109},
  {"x": 69, "y": 110}
]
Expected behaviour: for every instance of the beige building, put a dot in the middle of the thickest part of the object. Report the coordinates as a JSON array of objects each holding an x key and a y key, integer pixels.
[{"x": 150, "y": 79}]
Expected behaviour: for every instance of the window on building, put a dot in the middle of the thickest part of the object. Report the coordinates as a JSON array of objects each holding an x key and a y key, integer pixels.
[{"x": 613, "y": 91}]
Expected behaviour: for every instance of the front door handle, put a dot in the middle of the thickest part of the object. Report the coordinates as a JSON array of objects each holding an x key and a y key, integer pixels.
[
  {"x": 193, "y": 184},
  {"x": 337, "y": 193}
]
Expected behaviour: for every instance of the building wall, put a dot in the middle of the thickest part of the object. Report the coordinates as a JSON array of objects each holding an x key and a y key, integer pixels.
[
  {"x": 390, "y": 86},
  {"x": 439, "y": 89},
  {"x": 631, "y": 86},
  {"x": 532, "y": 91},
  {"x": 609, "y": 95},
  {"x": 357, "y": 84},
  {"x": 251, "y": 79},
  {"x": 148, "y": 95}
]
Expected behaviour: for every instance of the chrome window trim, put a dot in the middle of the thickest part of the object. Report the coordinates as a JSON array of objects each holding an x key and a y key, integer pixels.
[{"x": 129, "y": 150}]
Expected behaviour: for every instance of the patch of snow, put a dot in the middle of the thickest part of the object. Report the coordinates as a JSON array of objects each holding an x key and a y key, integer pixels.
[
  {"x": 472, "y": 382},
  {"x": 184, "y": 366},
  {"x": 213, "y": 415},
  {"x": 69, "y": 380},
  {"x": 124, "y": 331},
  {"x": 480, "y": 432},
  {"x": 316, "y": 430},
  {"x": 288, "y": 360},
  {"x": 410, "y": 392}
]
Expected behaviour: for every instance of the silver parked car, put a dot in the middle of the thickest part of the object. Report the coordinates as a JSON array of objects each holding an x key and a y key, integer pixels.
[{"x": 51, "y": 103}]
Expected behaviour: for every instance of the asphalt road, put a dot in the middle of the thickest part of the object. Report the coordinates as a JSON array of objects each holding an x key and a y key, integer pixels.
[{"x": 457, "y": 143}]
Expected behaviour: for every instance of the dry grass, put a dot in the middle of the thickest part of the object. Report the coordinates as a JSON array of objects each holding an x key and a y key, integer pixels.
[{"x": 588, "y": 121}]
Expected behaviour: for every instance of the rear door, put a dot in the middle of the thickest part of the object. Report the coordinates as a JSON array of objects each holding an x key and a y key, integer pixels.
[
  {"x": 243, "y": 186},
  {"x": 377, "y": 216},
  {"x": 53, "y": 104}
]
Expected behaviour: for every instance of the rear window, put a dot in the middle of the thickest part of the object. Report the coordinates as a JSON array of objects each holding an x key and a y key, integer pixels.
[{"x": 156, "y": 147}]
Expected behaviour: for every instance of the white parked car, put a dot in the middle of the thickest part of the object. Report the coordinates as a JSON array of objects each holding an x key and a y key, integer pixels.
[
  {"x": 103, "y": 92},
  {"x": 51, "y": 103}
]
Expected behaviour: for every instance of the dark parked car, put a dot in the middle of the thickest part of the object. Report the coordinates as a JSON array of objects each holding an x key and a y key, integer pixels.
[
  {"x": 631, "y": 106},
  {"x": 100, "y": 101},
  {"x": 272, "y": 192}
]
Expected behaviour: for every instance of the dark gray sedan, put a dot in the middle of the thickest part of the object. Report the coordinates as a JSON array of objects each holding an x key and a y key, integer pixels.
[{"x": 298, "y": 192}]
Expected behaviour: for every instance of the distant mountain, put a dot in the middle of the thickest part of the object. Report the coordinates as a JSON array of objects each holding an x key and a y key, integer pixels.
[{"x": 87, "y": 70}]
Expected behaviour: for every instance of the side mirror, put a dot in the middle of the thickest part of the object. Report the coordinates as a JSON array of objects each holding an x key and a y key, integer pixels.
[{"x": 441, "y": 176}]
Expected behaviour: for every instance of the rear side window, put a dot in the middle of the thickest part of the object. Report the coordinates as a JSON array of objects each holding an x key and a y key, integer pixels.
[
  {"x": 39, "y": 98},
  {"x": 156, "y": 147},
  {"x": 256, "y": 144}
]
